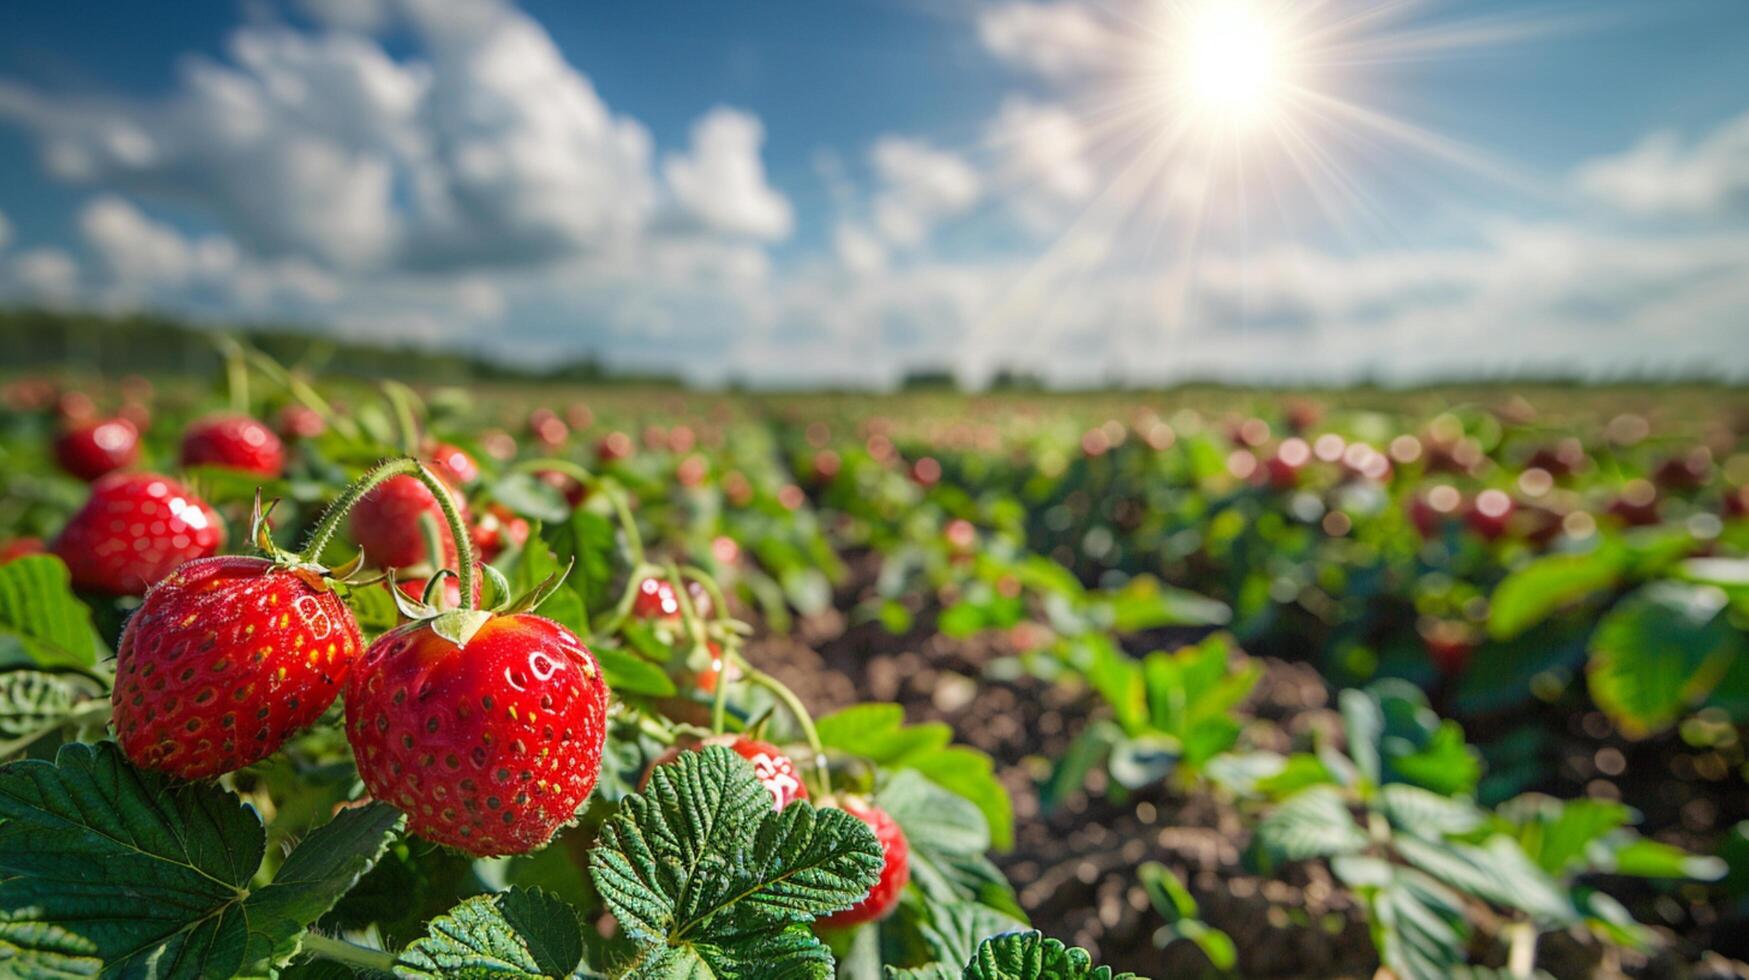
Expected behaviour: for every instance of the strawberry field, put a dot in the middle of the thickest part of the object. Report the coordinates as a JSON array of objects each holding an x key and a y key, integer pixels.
[{"x": 314, "y": 678}]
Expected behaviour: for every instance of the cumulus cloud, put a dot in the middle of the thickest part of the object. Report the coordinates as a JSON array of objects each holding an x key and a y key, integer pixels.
[
  {"x": 1043, "y": 159},
  {"x": 1664, "y": 177},
  {"x": 1057, "y": 40},
  {"x": 921, "y": 186},
  {"x": 721, "y": 184}
]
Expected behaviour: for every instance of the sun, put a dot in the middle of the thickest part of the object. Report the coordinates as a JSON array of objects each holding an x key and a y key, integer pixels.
[{"x": 1227, "y": 64}]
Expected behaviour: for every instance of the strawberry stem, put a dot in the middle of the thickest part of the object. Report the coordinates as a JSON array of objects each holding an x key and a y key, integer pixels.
[
  {"x": 341, "y": 951},
  {"x": 797, "y": 710},
  {"x": 382, "y": 473},
  {"x": 236, "y": 373}
]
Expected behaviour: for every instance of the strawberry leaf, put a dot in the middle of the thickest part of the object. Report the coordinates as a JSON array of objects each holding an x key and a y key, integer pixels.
[
  {"x": 34, "y": 704},
  {"x": 520, "y": 933},
  {"x": 42, "y": 623},
  {"x": 89, "y": 827},
  {"x": 706, "y": 878},
  {"x": 322, "y": 868},
  {"x": 1031, "y": 956}
]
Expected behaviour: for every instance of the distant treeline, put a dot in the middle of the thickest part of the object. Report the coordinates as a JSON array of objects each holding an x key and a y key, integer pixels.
[{"x": 150, "y": 344}]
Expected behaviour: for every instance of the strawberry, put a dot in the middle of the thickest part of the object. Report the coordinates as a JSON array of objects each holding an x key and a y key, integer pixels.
[
  {"x": 776, "y": 771},
  {"x": 613, "y": 447},
  {"x": 895, "y": 873},
  {"x": 573, "y": 489},
  {"x": 136, "y": 529},
  {"x": 296, "y": 422},
  {"x": 656, "y": 600},
  {"x": 548, "y": 429},
  {"x": 226, "y": 659},
  {"x": 236, "y": 441},
  {"x": 491, "y": 743},
  {"x": 497, "y": 530},
  {"x": 92, "y": 449},
  {"x": 387, "y": 524},
  {"x": 453, "y": 464}
]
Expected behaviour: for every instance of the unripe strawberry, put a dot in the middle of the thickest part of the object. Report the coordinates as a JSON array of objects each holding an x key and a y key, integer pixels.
[
  {"x": 226, "y": 659},
  {"x": 491, "y": 745},
  {"x": 895, "y": 872},
  {"x": 776, "y": 771},
  {"x": 236, "y": 441},
  {"x": 136, "y": 529},
  {"x": 90, "y": 450}
]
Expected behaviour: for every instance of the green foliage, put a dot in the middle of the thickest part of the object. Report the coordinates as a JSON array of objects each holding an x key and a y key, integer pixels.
[
  {"x": 88, "y": 827},
  {"x": 1661, "y": 649},
  {"x": 1531, "y": 594},
  {"x": 704, "y": 876},
  {"x": 42, "y": 624},
  {"x": 878, "y": 733},
  {"x": 948, "y": 837},
  {"x": 515, "y": 934},
  {"x": 34, "y": 704}
]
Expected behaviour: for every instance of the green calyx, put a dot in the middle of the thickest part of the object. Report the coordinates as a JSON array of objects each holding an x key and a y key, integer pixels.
[
  {"x": 315, "y": 574},
  {"x": 459, "y": 625}
]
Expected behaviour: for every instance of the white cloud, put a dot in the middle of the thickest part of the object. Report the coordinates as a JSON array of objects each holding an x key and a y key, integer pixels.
[
  {"x": 1057, "y": 40},
  {"x": 1044, "y": 167},
  {"x": 138, "y": 252},
  {"x": 484, "y": 147},
  {"x": 1662, "y": 177},
  {"x": 920, "y": 187},
  {"x": 721, "y": 184},
  {"x": 859, "y": 251}
]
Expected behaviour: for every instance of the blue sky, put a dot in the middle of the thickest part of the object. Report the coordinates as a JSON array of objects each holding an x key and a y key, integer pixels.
[{"x": 791, "y": 192}]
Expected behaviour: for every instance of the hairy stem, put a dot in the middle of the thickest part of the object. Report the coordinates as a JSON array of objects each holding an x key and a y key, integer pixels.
[
  {"x": 388, "y": 470},
  {"x": 797, "y": 710}
]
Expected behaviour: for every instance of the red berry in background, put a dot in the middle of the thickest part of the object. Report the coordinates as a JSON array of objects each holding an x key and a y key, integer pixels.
[
  {"x": 136, "y": 529},
  {"x": 926, "y": 472},
  {"x": 895, "y": 872},
  {"x": 497, "y": 530},
  {"x": 298, "y": 422},
  {"x": 776, "y": 771},
  {"x": 613, "y": 447},
  {"x": 75, "y": 406},
  {"x": 1283, "y": 468},
  {"x": 1562, "y": 459},
  {"x": 226, "y": 659},
  {"x": 547, "y": 428},
  {"x": 1737, "y": 501},
  {"x": 706, "y": 680},
  {"x": 656, "y": 600},
  {"x": 20, "y": 547},
  {"x": 961, "y": 536},
  {"x": 1690, "y": 471},
  {"x": 692, "y": 471},
  {"x": 453, "y": 464},
  {"x": 388, "y": 524},
  {"x": 1490, "y": 513},
  {"x": 92, "y": 449},
  {"x": 1637, "y": 504},
  {"x": 1449, "y": 645},
  {"x": 236, "y": 441},
  {"x": 490, "y": 746},
  {"x": 137, "y": 413}
]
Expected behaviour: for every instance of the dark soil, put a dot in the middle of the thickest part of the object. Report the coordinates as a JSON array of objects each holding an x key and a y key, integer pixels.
[{"x": 1075, "y": 868}]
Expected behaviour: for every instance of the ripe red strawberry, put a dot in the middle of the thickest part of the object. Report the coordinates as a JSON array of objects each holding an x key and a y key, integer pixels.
[
  {"x": 895, "y": 873},
  {"x": 92, "y": 449},
  {"x": 453, "y": 464},
  {"x": 387, "y": 524},
  {"x": 573, "y": 489},
  {"x": 300, "y": 422},
  {"x": 498, "y": 529},
  {"x": 490, "y": 746},
  {"x": 226, "y": 659},
  {"x": 776, "y": 771},
  {"x": 656, "y": 600},
  {"x": 236, "y": 441},
  {"x": 613, "y": 446},
  {"x": 136, "y": 529}
]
